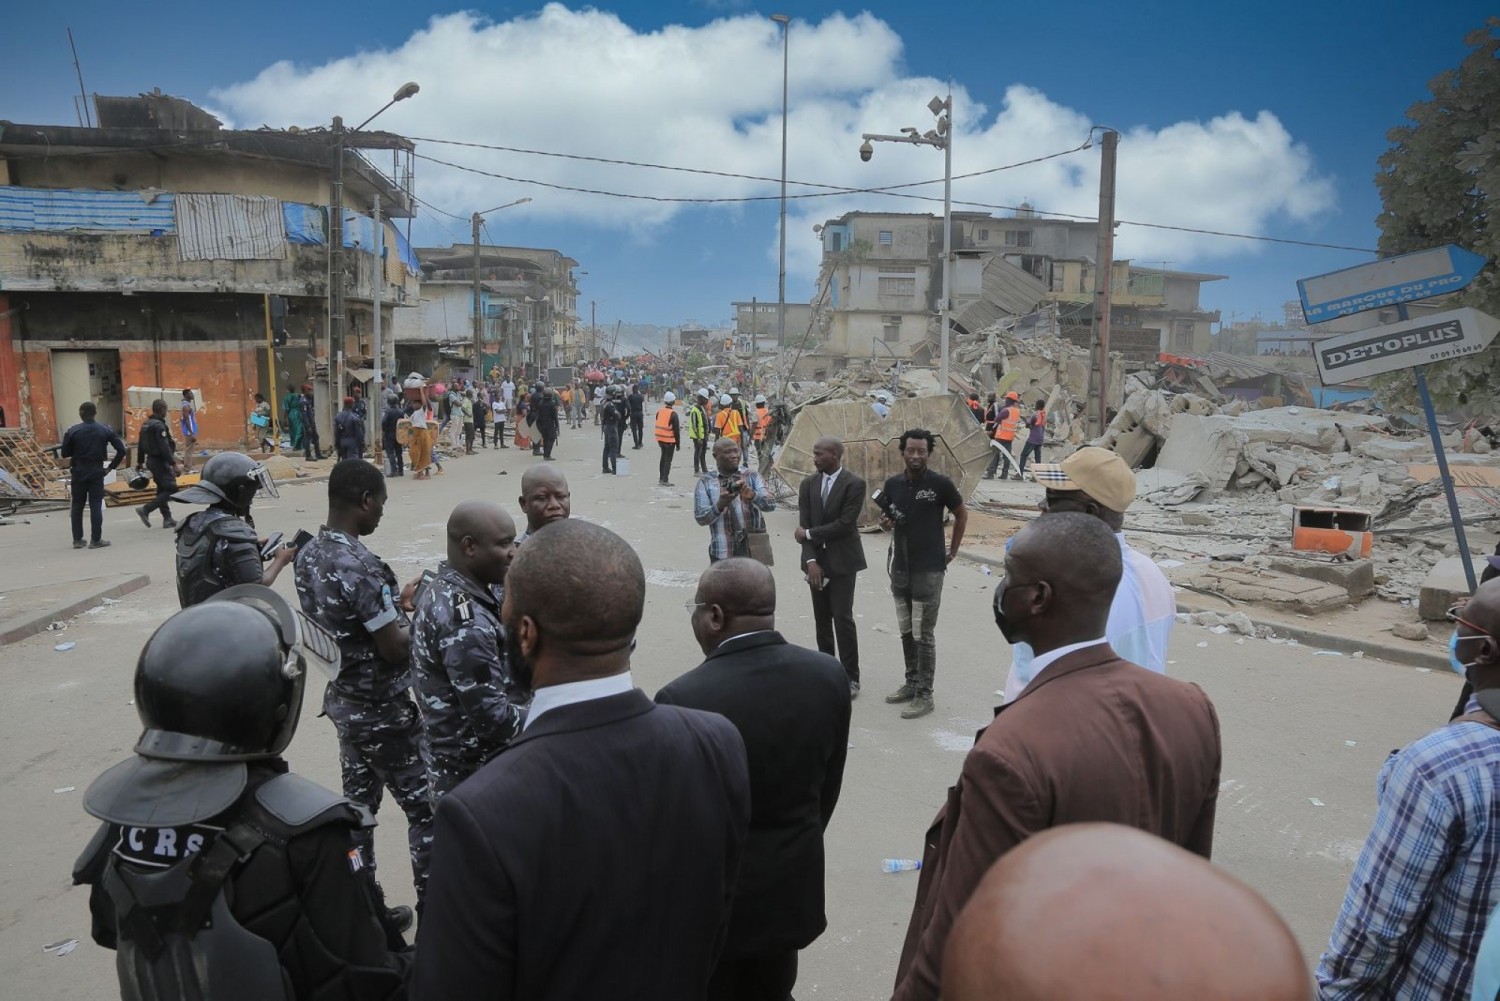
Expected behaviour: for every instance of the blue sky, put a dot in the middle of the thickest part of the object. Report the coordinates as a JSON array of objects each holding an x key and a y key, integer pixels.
[{"x": 1264, "y": 118}]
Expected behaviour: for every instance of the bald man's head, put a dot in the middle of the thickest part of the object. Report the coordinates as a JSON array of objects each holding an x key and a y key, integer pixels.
[
  {"x": 573, "y": 600},
  {"x": 545, "y": 497},
  {"x": 1060, "y": 579},
  {"x": 481, "y": 541},
  {"x": 734, "y": 596},
  {"x": 1112, "y": 913}
]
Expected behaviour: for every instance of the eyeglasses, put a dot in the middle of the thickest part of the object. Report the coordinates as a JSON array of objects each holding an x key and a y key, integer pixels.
[
  {"x": 1452, "y": 616},
  {"x": 693, "y": 606}
]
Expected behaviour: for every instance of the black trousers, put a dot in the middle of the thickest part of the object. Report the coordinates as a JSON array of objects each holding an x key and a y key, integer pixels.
[
  {"x": 754, "y": 978},
  {"x": 637, "y": 427},
  {"x": 700, "y": 455},
  {"x": 88, "y": 487},
  {"x": 611, "y": 447},
  {"x": 393, "y": 455},
  {"x": 165, "y": 479},
  {"x": 667, "y": 452},
  {"x": 833, "y": 620},
  {"x": 310, "y": 442}
]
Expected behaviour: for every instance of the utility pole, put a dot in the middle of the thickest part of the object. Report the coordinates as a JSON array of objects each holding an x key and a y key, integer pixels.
[
  {"x": 593, "y": 331},
  {"x": 335, "y": 263},
  {"x": 786, "y": 24},
  {"x": 1103, "y": 273},
  {"x": 476, "y": 220},
  {"x": 377, "y": 398}
]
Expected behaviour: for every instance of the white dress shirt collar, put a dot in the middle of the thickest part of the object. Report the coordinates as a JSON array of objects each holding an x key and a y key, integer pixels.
[
  {"x": 556, "y": 696},
  {"x": 1046, "y": 660}
]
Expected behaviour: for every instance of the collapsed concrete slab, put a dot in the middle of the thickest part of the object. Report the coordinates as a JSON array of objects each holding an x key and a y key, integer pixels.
[
  {"x": 1444, "y": 586},
  {"x": 1267, "y": 587},
  {"x": 1356, "y": 577}
]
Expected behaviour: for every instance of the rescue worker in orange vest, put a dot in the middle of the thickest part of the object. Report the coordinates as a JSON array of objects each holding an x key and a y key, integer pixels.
[
  {"x": 1005, "y": 434},
  {"x": 1036, "y": 426},
  {"x": 975, "y": 407},
  {"x": 761, "y": 434},
  {"x": 727, "y": 421},
  {"x": 668, "y": 435}
]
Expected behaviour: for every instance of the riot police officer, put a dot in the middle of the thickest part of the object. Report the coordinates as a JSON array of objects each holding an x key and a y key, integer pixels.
[
  {"x": 614, "y": 418},
  {"x": 217, "y": 873},
  {"x": 464, "y": 689},
  {"x": 218, "y": 548},
  {"x": 351, "y": 592},
  {"x": 86, "y": 447},
  {"x": 157, "y": 451}
]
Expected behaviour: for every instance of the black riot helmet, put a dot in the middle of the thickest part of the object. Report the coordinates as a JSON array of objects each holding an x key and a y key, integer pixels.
[
  {"x": 230, "y": 478},
  {"x": 223, "y": 680}
]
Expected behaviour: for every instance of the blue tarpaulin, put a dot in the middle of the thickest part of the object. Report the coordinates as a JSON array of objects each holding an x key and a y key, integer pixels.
[
  {"x": 408, "y": 255},
  {"x": 60, "y": 209},
  {"x": 305, "y": 224}
]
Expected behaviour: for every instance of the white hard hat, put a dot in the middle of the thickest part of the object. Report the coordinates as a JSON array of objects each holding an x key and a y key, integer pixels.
[
  {"x": 734, "y": 391},
  {"x": 669, "y": 397},
  {"x": 724, "y": 400},
  {"x": 760, "y": 397},
  {"x": 703, "y": 393}
]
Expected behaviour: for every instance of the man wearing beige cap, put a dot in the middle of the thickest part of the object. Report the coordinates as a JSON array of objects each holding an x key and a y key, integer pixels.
[{"x": 1096, "y": 481}]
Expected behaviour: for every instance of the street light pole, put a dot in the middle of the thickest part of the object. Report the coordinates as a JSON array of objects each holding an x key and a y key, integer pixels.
[
  {"x": 785, "y": 22},
  {"x": 477, "y": 220},
  {"x": 940, "y": 137}
]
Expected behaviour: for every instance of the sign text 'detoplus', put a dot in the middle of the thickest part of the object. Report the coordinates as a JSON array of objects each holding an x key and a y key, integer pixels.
[{"x": 1440, "y": 337}]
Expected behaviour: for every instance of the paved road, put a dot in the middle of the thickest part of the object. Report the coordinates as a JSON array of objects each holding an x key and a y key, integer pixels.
[{"x": 1298, "y": 728}]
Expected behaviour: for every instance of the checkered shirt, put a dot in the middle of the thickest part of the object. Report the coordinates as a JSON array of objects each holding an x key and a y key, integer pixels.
[{"x": 1424, "y": 885}]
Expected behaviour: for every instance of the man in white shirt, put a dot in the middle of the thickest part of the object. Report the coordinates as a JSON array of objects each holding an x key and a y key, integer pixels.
[{"x": 1096, "y": 481}]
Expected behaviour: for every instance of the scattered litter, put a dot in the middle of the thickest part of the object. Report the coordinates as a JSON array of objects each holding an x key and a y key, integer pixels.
[
  {"x": 1170, "y": 564},
  {"x": 1358, "y": 655},
  {"x": 985, "y": 569},
  {"x": 1326, "y": 653},
  {"x": 1350, "y": 743},
  {"x": 111, "y": 601},
  {"x": 1315, "y": 801},
  {"x": 1425, "y": 670},
  {"x": 61, "y": 948},
  {"x": 898, "y": 865},
  {"x": 56, "y": 627},
  {"x": 1218, "y": 630},
  {"x": 1240, "y": 641},
  {"x": 1171, "y": 662},
  {"x": 65, "y": 647},
  {"x": 1203, "y": 644},
  {"x": 63, "y": 789}
]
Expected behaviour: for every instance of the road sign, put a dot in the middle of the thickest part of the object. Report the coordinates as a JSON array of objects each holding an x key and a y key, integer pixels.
[
  {"x": 1438, "y": 337},
  {"x": 1394, "y": 280}
]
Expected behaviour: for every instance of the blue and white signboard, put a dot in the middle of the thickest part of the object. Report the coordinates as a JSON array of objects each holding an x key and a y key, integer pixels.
[
  {"x": 1389, "y": 282},
  {"x": 1439, "y": 337}
]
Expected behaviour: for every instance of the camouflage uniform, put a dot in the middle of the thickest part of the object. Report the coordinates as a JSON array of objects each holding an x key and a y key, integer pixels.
[
  {"x": 464, "y": 689},
  {"x": 351, "y": 592}
]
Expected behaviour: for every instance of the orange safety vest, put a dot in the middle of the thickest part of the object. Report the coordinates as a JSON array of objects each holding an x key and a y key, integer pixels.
[
  {"x": 762, "y": 425},
  {"x": 729, "y": 423},
  {"x": 664, "y": 433},
  {"x": 1010, "y": 419}
]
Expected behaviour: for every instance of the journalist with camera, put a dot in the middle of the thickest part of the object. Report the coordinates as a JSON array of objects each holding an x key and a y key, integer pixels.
[
  {"x": 912, "y": 507},
  {"x": 729, "y": 500}
]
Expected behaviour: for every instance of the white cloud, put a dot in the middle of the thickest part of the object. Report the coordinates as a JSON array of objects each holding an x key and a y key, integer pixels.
[{"x": 585, "y": 82}]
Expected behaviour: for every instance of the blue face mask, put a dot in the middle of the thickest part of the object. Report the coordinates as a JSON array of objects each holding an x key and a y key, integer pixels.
[{"x": 1459, "y": 667}]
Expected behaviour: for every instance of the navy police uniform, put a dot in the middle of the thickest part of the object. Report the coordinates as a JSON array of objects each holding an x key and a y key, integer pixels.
[
  {"x": 87, "y": 443},
  {"x": 158, "y": 452},
  {"x": 469, "y": 705},
  {"x": 295, "y": 906},
  {"x": 351, "y": 592}
]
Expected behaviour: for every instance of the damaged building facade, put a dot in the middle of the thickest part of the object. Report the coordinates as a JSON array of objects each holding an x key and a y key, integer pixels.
[{"x": 160, "y": 249}]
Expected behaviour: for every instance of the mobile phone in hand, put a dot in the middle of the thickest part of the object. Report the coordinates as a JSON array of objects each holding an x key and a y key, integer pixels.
[
  {"x": 302, "y": 538},
  {"x": 269, "y": 549}
]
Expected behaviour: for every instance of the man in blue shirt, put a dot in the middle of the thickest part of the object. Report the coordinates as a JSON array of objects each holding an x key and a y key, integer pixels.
[
  {"x": 1424, "y": 888},
  {"x": 86, "y": 447}
]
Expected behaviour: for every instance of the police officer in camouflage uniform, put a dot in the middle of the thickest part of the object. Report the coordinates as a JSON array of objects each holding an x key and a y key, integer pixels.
[
  {"x": 352, "y": 593},
  {"x": 469, "y": 705},
  {"x": 218, "y": 548}
]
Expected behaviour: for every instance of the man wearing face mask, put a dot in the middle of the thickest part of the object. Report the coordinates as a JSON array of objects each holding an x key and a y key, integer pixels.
[
  {"x": 1092, "y": 738},
  {"x": 1424, "y": 888}
]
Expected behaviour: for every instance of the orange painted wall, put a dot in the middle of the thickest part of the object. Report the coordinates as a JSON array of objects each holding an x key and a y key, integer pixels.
[{"x": 10, "y": 394}]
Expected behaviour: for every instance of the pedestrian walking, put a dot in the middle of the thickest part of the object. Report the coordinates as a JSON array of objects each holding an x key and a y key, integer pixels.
[
  {"x": 828, "y": 505},
  {"x": 291, "y": 414},
  {"x": 260, "y": 425},
  {"x": 668, "y": 436},
  {"x": 912, "y": 509},
  {"x": 636, "y": 402},
  {"x": 1094, "y": 738},
  {"x": 156, "y": 451},
  {"x": 470, "y": 706},
  {"x": 86, "y": 447},
  {"x": 352, "y": 593},
  {"x": 390, "y": 434},
  {"x": 421, "y": 441},
  {"x": 187, "y": 424},
  {"x": 312, "y": 448},
  {"x": 349, "y": 431},
  {"x": 548, "y": 421}
]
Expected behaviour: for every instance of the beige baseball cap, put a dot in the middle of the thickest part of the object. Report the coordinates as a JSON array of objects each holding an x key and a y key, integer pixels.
[{"x": 1098, "y": 472}]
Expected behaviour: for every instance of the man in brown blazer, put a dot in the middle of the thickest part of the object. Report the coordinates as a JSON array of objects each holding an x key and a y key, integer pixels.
[{"x": 1092, "y": 738}]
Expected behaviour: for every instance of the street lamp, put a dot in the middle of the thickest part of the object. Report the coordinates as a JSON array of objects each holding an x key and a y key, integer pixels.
[
  {"x": 786, "y": 23},
  {"x": 336, "y": 245},
  {"x": 475, "y": 221},
  {"x": 940, "y": 137}
]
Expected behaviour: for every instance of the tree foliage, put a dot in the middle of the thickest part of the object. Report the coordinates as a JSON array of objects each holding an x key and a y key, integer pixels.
[{"x": 1436, "y": 183}]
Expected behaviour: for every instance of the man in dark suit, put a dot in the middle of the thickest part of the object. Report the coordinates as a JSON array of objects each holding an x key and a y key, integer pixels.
[
  {"x": 828, "y": 506},
  {"x": 1092, "y": 738},
  {"x": 791, "y": 707},
  {"x": 596, "y": 856}
]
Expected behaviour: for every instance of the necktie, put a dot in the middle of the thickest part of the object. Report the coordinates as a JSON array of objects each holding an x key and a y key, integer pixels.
[{"x": 827, "y": 485}]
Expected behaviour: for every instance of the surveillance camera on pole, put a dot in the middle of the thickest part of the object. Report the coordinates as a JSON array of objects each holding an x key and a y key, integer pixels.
[{"x": 866, "y": 151}]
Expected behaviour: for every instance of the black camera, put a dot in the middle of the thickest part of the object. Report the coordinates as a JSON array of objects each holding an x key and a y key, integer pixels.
[
  {"x": 731, "y": 485},
  {"x": 888, "y": 508}
]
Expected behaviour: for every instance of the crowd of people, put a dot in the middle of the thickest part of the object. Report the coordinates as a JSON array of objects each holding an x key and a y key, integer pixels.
[{"x": 545, "y": 796}]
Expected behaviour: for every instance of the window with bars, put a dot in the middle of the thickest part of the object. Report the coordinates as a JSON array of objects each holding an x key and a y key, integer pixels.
[
  {"x": 898, "y": 286},
  {"x": 1018, "y": 238},
  {"x": 885, "y": 238},
  {"x": 891, "y": 328}
]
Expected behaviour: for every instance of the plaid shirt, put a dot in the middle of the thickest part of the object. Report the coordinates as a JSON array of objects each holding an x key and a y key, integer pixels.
[
  {"x": 739, "y": 515},
  {"x": 1425, "y": 883}
]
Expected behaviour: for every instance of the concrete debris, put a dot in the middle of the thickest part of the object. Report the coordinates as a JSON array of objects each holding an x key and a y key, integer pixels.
[{"x": 1410, "y": 630}]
